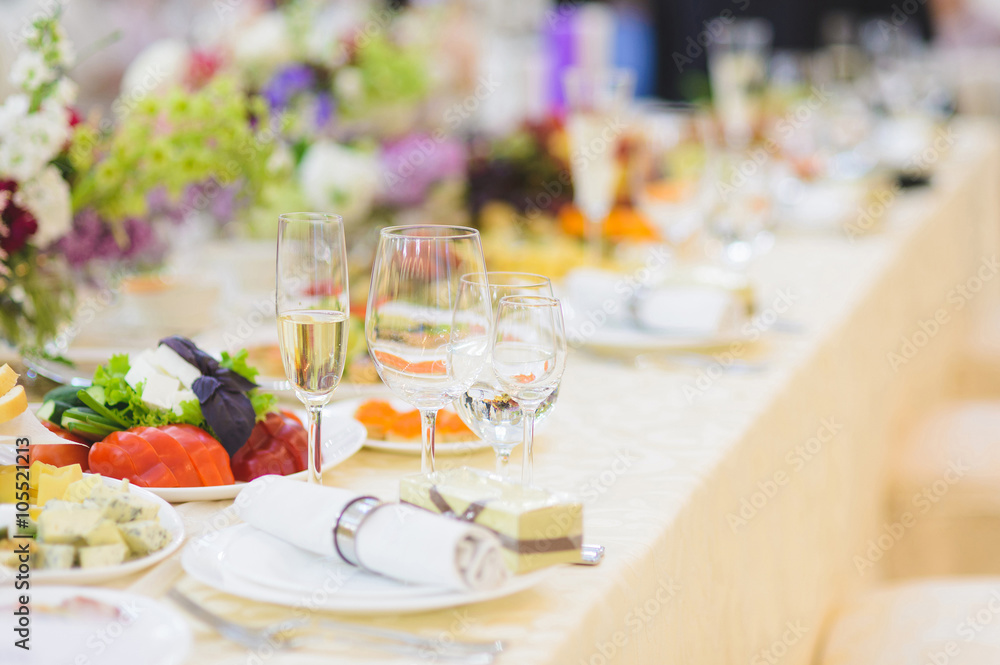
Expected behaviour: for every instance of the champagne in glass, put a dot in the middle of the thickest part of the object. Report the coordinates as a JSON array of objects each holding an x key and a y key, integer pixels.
[
  {"x": 489, "y": 411},
  {"x": 427, "y": 344},
  {"x": 596, "y": 102},
  {"x": 528, "y": 357},
  {"x": 313, "y": 314}
]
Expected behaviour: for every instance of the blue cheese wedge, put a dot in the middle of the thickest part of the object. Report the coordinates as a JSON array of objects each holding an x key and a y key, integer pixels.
[
  {"x": 66, "y": 526},
  {"x": 104, "y": 532},
  {"x": 122, "y": 508},
  {"x": 144, "y": 536},
  {"x": 55, "y": 556},
  {"x": 103, "y": 555}
]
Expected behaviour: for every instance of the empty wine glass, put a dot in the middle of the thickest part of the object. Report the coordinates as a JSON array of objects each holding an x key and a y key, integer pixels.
[
  {"x": 426, "y": 344},
  {"x": 596, "y": 100},
  {"x": 528, "y": 357},
  {"x": 313, "y": 309},
  {"x": 486, "y": 407},
  {"x": 669, "y": 174}
]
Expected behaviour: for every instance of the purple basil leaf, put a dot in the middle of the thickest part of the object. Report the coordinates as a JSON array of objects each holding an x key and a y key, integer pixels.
[
  {"x": 229, "y": 413},
  {"x": 233, "y": 381},
  {"x": 187, "y": 350}
]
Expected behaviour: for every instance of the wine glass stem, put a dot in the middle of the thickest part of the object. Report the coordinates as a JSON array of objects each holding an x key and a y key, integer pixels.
[
  {"x": 428, "y": 421},
  {"x": 503, "y": 463},
  {"x": 528, "y": 462},
  {"x": 592, "y": 237},
  {"x": 315, "y": 447}
]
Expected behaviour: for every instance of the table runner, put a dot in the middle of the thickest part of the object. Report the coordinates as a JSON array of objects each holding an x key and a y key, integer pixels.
[{"x": 738, "y": 507}]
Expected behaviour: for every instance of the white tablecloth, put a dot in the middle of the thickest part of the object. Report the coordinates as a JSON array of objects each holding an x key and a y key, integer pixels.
[{"x": 738, "y": 508}]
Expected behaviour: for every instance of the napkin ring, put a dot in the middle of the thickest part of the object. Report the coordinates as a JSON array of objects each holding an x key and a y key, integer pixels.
[{"x": 346, "y": 530}]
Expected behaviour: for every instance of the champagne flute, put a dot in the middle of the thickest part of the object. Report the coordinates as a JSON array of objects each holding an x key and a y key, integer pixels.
[
  {"x": 669, "y": 171},
  {"x": 529, "y": 356},
  {"x": 596, "y": 100},
  {"x": 427, "y": 344},
  {"x": 313, "y": 311},
  {"x": 486, "y": 407}
]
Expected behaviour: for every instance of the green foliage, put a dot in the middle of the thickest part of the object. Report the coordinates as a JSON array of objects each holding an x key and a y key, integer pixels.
[{"x": 172, "y": 140}]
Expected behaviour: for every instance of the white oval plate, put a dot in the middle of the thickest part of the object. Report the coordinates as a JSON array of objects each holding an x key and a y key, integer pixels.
[
  {"x": 142, "y": 626},
  {"x": 347, "y": 407},
  {"x": 341, "y": 437},
  {"x": 168, "y": 518},
  {"x": 205, "y": 559}
]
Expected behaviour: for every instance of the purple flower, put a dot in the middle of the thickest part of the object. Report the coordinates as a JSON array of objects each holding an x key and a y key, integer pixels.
[
  {"x": 92, "y": 240},
  {"x": 324, "y": 109},
  {"x": 412, "y": 164},
  {"x": 287, "y": 83}
]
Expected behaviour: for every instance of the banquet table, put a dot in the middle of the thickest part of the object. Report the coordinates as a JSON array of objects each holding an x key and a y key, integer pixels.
[{"x": 739, "y": 503}]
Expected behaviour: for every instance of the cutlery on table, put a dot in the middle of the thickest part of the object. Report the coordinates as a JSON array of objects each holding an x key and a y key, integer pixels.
[{"x": 383, "y": 639}]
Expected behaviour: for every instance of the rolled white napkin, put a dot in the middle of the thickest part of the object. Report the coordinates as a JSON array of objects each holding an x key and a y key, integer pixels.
[{"x": 402, "y": 542}]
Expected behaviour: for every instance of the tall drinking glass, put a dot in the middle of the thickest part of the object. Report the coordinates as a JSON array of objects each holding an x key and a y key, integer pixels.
[
  {"x": 597, "y": 100},
  {"x": 529, "y": 356},
  {"x": 737, "y": 67},
  {"x": 486, "y": 407},
  {"x": 426, "y": 343},
  {"x": 313, "y": 311}
]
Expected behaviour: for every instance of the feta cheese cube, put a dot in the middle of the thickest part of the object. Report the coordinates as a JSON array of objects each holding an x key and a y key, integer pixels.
[
  {"x": 159, "y": 391},
  {"x": 182, "y": 396},
  {"x": 171, "y": 364}
]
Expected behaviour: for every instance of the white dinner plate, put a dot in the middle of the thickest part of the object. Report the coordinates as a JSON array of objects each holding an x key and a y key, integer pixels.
[
  {"x": 96, "y": 626},
  {"x": 341, "y": 437},
  {"x": 168, "y": 518},
  {"x": 346, "y": 408},
  {"x": 221, "y": 561}
]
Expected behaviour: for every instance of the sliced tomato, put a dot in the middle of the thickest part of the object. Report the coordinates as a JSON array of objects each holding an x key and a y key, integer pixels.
[
  {"x": 60, "y": 454},
  {"x": 173, "y": 455},
  {"x": 146, "y": 468},
  {"x": 215, "y": 450},
  {"x": 203, "y": 450}
]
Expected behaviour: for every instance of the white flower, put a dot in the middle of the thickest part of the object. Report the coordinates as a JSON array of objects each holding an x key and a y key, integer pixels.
[
  {"x": 340, "y": 180},
  {"x": 47, "y": 197},
  {"x": 159, "y": 66},
  {"x": 28, "y": 142},
  {"x": 65, "y": 53},
  {"x": 29, "y": 71},
  {"x": 324, "y": 41},
  {"x": 64, "y": 93},
  {"x": 265, "y": 42},
  {"x": 349, "y": 85}
]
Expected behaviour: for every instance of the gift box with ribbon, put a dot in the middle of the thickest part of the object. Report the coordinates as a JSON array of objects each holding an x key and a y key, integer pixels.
[{"x": 536, "y": 527}]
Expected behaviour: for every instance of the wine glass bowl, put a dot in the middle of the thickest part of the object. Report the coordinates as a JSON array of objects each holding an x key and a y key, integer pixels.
[
  {"x": 312, "y": 304},
  {"x": 596, "y": 101},
  {"x": 426, "y": 344},
  {"x": 486, "y": 408},
  {"x": 528, "y": 355}
]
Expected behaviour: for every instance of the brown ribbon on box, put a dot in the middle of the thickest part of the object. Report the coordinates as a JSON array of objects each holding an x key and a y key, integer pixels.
[{"x": 472, "y": 512}]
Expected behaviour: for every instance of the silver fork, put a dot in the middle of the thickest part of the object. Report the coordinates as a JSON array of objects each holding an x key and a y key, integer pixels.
[{"x": 471, "y": 653}]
